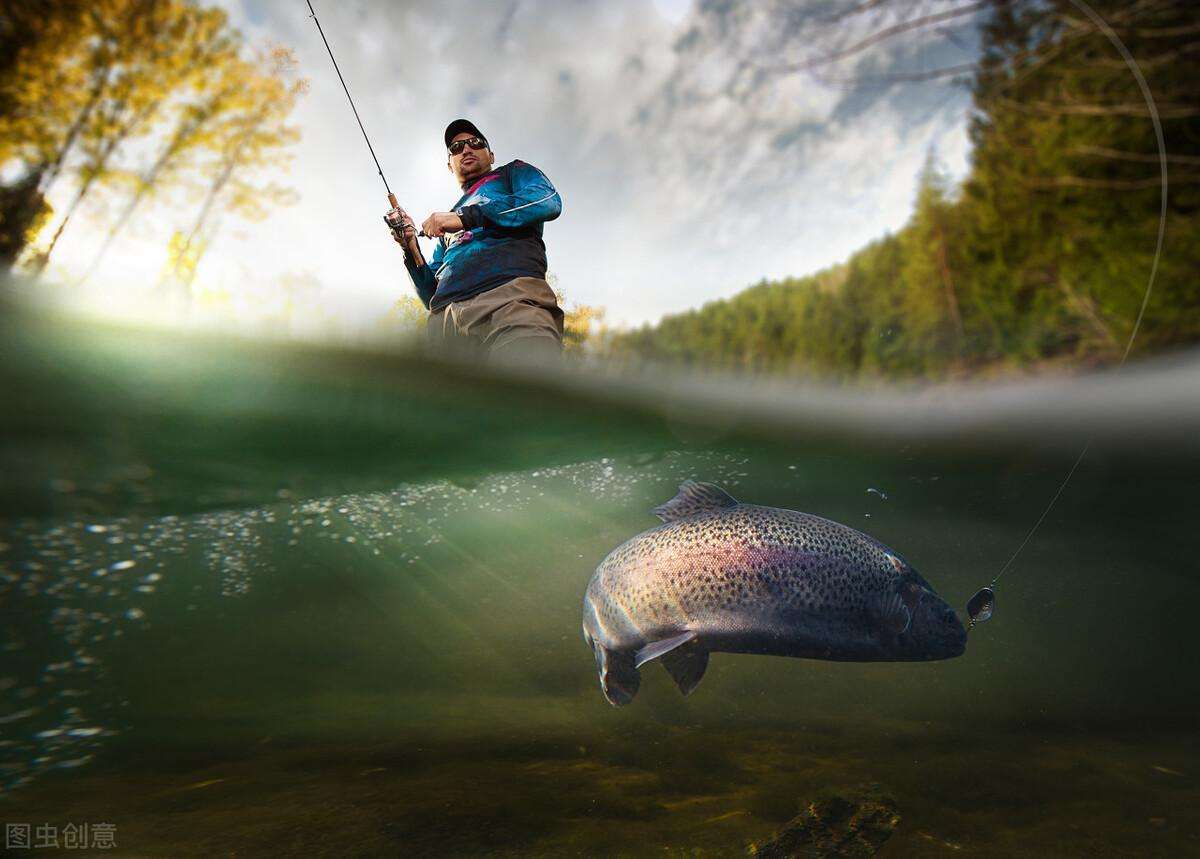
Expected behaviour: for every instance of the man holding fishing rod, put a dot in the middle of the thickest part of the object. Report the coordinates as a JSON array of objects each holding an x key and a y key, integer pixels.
[{"x": 485, "y": 285}]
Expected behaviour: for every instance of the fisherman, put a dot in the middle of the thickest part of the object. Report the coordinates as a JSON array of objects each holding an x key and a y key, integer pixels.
[{"x": 485, "y": 286}]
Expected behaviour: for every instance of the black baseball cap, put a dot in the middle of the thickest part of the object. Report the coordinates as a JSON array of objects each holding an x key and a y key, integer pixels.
[{"x": 458, "y": 127}]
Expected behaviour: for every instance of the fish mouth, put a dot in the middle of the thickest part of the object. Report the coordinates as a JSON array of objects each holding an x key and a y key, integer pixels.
[
  {"x": 940, "y": 633},
  {"x": 959, "y": 646},
  {"x": 958, "y": 639}
]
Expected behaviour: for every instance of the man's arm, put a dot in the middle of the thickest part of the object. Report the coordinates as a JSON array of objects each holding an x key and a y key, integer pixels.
[
  {"x": 533, "y": 200},
  {"x": 423, "y": 274}
]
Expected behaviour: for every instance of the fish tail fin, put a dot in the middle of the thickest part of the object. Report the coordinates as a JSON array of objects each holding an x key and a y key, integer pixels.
[{"x": 619, "y": 677}]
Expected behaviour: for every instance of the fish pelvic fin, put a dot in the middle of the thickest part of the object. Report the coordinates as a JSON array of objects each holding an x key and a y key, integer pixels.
[
  {"x": 687, "y": 665},
  {"x": 619, "y": 677},
  {"x": 694, "y": 498}
]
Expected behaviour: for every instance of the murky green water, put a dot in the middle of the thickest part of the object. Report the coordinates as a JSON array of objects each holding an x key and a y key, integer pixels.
[{"x": 286, "y": 601}]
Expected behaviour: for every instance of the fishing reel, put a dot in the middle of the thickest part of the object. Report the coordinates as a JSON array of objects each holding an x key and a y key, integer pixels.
[{"x": 396, "y": 224}]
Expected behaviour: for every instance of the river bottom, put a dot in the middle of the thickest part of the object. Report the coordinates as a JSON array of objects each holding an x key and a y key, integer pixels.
[{"x": 662, "y": 790}]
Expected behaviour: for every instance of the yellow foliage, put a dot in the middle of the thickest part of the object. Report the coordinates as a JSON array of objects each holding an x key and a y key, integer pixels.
[
  {"x": 406, "y": 315},
  {"x": 136, "y": 97},
  {"x": 582, "y": 323},
  {"x": 183, "y": 255}
]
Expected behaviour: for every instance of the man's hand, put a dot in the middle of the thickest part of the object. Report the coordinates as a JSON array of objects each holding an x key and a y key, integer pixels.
[
  {"x": 401, "y": 225},
  {"x": 403, "y": 231},
  {"x": 440, "y": 223}
]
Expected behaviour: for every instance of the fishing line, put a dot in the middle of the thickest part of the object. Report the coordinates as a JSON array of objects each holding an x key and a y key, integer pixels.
[
  {"x": 983, "y": 603},
  {"x": 313, "y": 15},
  {"x": 391, "y": 197}
]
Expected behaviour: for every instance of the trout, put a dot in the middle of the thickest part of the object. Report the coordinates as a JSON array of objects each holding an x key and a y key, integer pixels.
[{"x": 720, "y": 576}]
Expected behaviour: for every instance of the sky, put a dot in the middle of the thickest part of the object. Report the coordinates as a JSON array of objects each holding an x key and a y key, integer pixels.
[{"x": 692, "y": 162}]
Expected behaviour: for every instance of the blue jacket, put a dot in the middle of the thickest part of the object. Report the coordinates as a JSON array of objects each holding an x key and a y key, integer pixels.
[{"x": 502, "y": 214}]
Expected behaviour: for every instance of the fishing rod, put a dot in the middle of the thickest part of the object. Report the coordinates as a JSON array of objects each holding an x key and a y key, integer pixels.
[
  {"x": 981, "y": 606},
  {"x": 391, "y": 197}
]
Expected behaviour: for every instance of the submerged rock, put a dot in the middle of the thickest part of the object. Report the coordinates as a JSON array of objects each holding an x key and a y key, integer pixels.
[{"x": 852, "y": 822}]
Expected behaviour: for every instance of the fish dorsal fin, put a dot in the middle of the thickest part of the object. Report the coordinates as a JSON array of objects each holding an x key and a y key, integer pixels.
[
  {"x": 686, "y": 665},
  {"x": 655, "y": 649},
  {"x": 694, "y": 498}
]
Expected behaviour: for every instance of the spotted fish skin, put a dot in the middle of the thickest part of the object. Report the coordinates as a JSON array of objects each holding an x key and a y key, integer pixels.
[{"x": 720, "y": 576}]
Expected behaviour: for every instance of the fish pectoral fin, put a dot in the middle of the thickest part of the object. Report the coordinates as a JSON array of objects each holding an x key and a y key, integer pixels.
[
  {"x": 655, "y": 649},
  {"x": 686, "y": 666},
  {"x": 684, "y": 657},
  {"x": 694, "y": 498},
  {"x": 891, "y": 613}
]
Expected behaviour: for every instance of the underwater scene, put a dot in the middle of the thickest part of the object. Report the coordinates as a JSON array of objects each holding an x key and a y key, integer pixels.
[{"x": 263, "y": 599}]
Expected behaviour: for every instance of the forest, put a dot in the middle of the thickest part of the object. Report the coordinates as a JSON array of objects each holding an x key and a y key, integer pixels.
[
  {"x": 1040, "y": 257},
  {"x": 132, "y": 105}
]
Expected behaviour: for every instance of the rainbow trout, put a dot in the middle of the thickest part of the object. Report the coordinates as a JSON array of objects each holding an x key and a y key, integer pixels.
[{"x": 739, "y": 578}]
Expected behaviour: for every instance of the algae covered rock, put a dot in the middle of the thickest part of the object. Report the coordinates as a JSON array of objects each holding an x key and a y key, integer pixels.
[{"x": 851, "y": 822}]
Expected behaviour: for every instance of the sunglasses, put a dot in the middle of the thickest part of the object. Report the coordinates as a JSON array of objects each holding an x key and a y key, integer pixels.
[{"x": 459, "y": 145}]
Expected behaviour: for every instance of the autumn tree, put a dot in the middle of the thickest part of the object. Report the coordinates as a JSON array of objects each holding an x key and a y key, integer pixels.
[
  {"x": 212, "y": 76},
  {"x": 583, "y": 324},
  {"x": 137, "y": 97},
  {"x": 406, "y": 316},
  {"x": 154, "y": 50},
  {"x": 252, "y": 136},
  {"x": 48, "y": 88}
]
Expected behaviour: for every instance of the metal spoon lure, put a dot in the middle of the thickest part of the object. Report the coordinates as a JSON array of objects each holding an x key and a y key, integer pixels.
[{"x": 981, "y": 606}]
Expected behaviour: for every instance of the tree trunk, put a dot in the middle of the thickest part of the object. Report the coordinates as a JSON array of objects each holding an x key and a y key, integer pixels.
[
  {"x": 43, "y": 259},
  {"x": 205, "y": 211},
  {"x": 53, "y": 167},
  {"x": 20, "y": 207},
  {"x": 106, "y": 153},
  {"x": 948, "y": 285},
  {"x": 144, "y": 186},
  {"x": 231, "y": 164}
]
